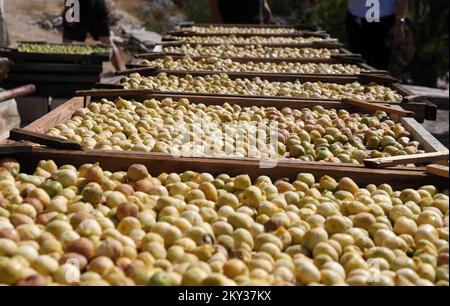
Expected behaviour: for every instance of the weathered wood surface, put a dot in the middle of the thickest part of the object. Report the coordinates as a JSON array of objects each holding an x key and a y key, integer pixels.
[
  {"x": 419, "y": 133},
  {"x": 438, "y": 96},
  {"x": 438, "y": 170},
  {"x": 378, "y": 107},
  {"x": 406, "y": 159},
  {"x": 42, "y": 139},
  {"x": 58, "y": 115}
]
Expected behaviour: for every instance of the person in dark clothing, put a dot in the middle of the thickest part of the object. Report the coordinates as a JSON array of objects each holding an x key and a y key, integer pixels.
[
  {"x": 375, "y": 40},
  {"x": 94, "y": 20},
  {"x": 240, "y": 11}
]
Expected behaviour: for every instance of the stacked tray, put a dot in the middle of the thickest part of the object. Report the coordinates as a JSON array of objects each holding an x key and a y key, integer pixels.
[
  {"x": 365, "y": 151},
  {"x": 50, "y": 71}
]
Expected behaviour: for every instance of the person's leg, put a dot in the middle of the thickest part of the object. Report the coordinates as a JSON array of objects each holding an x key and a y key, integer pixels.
[
  {"x": 380, "y": 43},
  {"x": 116, "y": 58},
  {"x": 355, "y": 35}
]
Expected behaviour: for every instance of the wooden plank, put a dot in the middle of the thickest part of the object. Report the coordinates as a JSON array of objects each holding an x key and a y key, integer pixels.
[
  {"x": 374, "y": 107},
  {"x": 14, "y": 148},
  {"x": 158, "y": 164},
  {"x": 438, "y": 170},
  {"x": 419, "y": 133},
  {"x": 377, "y": 78},
  {"x": 58, "y": 115},
  {"x": 53, "y": 78},
  {"x": 406, "y": 159},
  {"x": 114, "y": 92},
  {"x": 439, "y": 96},
  {"x": 39, "y": 138},
  {"x": 56, "y": 67}
]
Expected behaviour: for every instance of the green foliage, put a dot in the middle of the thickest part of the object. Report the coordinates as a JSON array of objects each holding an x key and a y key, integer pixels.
[
  {"x": 428, "y": 48},
  {"x": 330, "y": 15},
  {"x": 421, "y": 59},
  {"x": 197, "y": 10}
]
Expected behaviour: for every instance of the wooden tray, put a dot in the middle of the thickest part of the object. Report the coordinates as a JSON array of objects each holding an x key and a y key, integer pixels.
[
  {"x": 328, "y": 44},
  {"x": 301, "y": 27},
  {"x": 380, "y": 78},
  {"x": 157, "y": 164},
  {"x": 348, "y": 61},
  {"x": 343, "y": 58},
  {"x": 16, "y": 56},
  {"x": 419, "y": 105},
  {"x": 297, "y": 33},
  {"x": 64, "y": 113},
  {"x": 300, "y": 30}
]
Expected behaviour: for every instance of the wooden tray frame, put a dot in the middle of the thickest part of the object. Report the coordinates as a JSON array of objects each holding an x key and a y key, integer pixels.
[
  {"x": 423, "y": 108},
  {"x": 65, "y": 112},
  {"x": 157, "y": 164},
  {"x": 332, "y": 60},
  {"x": 327, "y": 44},
  {"x": 16, "y": 55},
  {"x": 299, "y": 28},
  {"x": 348, "y": 61}
]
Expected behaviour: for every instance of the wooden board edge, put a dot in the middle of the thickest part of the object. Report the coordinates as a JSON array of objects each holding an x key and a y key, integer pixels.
[
  {"x": 58, "y": 115},
  {"x": 428, "y": 141},
  {"x": 158, "y": 164}
]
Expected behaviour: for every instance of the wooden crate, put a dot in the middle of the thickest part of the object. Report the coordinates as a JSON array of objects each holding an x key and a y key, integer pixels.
[
  {"x": 423, "y": 109},
  {"x": 29, "y": 57},
  {"x": 342, "y": 58},
  {"x": 359, "y": 63},
  {"x": 65, "y": 112},
  {"x": 299, "y": 29},
  {"x": 326, "y": 43}
]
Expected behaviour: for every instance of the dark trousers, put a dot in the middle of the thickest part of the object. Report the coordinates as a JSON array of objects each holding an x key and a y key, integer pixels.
[{"x": 371, "y": 40}]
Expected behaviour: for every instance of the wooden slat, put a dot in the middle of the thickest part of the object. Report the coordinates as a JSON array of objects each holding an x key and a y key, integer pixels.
[
  {"x": 406, "y": 159},
  {"x": 375, "y": 107},
  {"x": 61, "y": 114},
  {"x": 39, "y": 138},
  {"x": 56, "y": 68},
  {"x": 113, "y": 92},
  {"x": 398, "y": 178},
  {"x": 377, "y": 78},
  {"x": 419, "y": 133},
  {"x": 14, "y": 148},
  {"x": 438, "y": 170}
]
